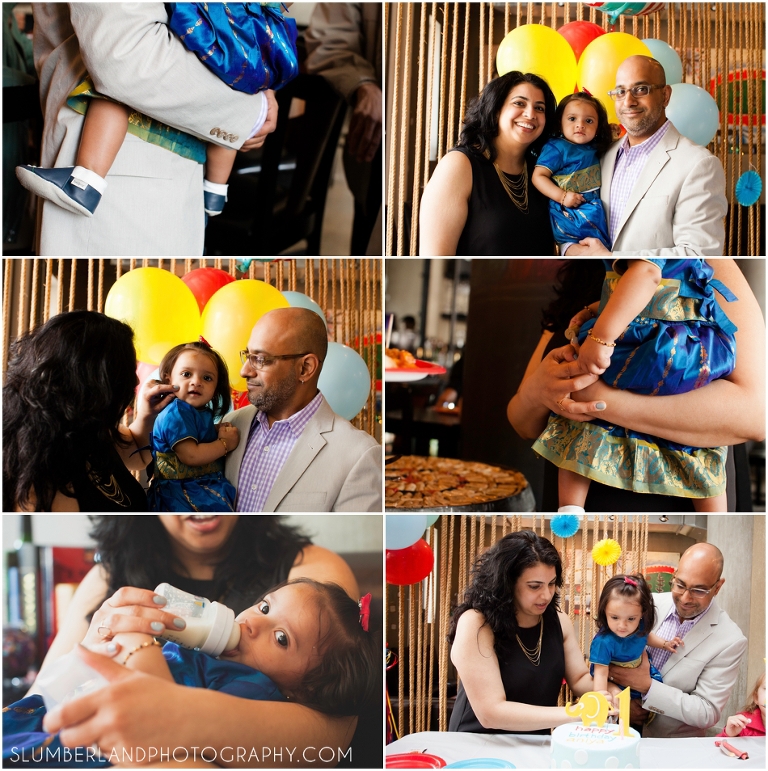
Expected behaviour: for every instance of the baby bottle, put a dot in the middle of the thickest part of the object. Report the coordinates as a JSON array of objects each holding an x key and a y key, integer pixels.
[{"x": 211, "y": 626}]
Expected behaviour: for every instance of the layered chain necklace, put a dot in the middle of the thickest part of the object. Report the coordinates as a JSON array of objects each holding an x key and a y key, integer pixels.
[
  {"x": 533, "y": 654},
  {"x": 517, "y": 190}
]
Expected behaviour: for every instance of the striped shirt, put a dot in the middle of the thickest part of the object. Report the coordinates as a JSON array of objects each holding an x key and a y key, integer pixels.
[
  {"x": 630, "y": 162},
  {"x": 671, "y": 627},
  {"x": 266, "y": 453}
]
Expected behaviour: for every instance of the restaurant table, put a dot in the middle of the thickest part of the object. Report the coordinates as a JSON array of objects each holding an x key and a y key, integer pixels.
[
  {"x": 423, "y": 424},
  {"x": 533, "y": 751}
]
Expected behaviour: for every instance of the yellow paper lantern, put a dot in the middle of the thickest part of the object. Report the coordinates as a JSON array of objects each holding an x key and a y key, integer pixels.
[
  {"x": 229, "y": 317},
  {"x": 158, "y": 306},
  {"x": 542, "y": 51},
  {"x": 596, "y": 70}
]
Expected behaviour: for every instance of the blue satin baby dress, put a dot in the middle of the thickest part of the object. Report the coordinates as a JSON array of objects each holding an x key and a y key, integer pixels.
[
  {"x": 575, "y": 168},
  {"x": 250, "y": 46},
  {"x": 608, "y": 648},
  {"x": 681, "y": 341},
  {"x": 176, "y": 486}
]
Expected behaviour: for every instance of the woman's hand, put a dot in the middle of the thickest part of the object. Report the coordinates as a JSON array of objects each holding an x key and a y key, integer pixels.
[
  {"x": 152, "y": 399},
  {"x": 129, "y": 609}
]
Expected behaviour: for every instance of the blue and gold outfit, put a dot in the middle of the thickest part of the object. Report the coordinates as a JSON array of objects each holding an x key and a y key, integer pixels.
[
  {"x": 681, "y": 341},
  {"x": 608, "y": 648},
  {"x": 25, "y": 743},
  {"x": 250, "y": 46},
  {"x": 575, "y": 168},
  {"x": 176, "y": 486}
]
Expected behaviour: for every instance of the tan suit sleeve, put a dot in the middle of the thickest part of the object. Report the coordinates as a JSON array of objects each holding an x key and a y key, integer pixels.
[
  {"x": 134, "y": 58},
  {"x": 697, "y": 222},
  {"x": 361, "y": 490},
  {"x": 335, "y": 47}
]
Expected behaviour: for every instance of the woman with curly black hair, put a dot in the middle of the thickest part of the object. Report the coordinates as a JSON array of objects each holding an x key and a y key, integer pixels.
[
  {"x": 68, "y": 385},
  {"x": 479, "y": 201},
  {"x": 512, "y": 646}
]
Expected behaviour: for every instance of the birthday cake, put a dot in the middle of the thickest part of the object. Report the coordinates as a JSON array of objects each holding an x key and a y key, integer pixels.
[{"x": 589, "y": 746}]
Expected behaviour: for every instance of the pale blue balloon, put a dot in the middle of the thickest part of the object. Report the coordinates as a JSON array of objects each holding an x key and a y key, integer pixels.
[
  {"x": 694, "y": 113},
  {"x": 344, "y": 380},
  {"x": 299, "y": 300},
  {"x": 403, "y": 530},
  {"x": 431, "y": 519},
  {"x": 667, "y": 57}
]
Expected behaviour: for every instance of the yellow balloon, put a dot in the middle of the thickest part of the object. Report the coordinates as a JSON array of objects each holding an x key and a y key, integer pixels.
[
  {"x": 542, "y": 51},
  {"x": 158, "y": 306},
  {"x": 229, "y": 316},
  {"x": 599, "y": 61}
]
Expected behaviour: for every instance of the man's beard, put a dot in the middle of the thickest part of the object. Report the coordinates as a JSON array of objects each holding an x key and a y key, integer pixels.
[
  {"x": 269, "y": 399},
  {"x": 643, "y": 123}
]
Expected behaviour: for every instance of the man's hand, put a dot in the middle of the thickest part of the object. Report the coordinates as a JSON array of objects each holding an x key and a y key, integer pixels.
[
  {"x": 637, "y": 715},
  {"x": 588, "y": 247},
  {"x": 639, "y": 678},
  {"x": 364, "y": 136},
  {"x": 270, "y": 124}
]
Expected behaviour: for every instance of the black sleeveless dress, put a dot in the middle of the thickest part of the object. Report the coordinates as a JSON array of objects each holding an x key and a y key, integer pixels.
[
  {"x": 495, "y": 227},
  {"x": 523, "y": 682},
  {"x": 115, "y": 490},
  {"x": 237, "y": 597}
]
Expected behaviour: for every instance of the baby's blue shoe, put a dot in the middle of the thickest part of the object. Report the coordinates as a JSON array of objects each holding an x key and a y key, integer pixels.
[
  {"x": 60, "y": 187},
  {"x": 213, "y": 203}
]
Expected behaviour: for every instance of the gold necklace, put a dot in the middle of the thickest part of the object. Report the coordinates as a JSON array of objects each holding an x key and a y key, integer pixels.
[
  {"x": 517, "y": 191},
  {"x": 533, "y": 654}
]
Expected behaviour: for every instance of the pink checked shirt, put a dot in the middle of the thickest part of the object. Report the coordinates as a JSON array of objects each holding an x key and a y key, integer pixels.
[
  {"x": 630, "y": 162},
  {"x": 266, "y": 453},
  {"x": 671, "y": 627}
]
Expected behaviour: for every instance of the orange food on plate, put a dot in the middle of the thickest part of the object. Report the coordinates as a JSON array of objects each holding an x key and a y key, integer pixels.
[{"x": 400, "y": 358}]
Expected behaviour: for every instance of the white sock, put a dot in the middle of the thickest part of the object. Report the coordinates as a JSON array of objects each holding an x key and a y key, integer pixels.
[
  {"x": 214, "y": 187},
  {"x": 570, "y": 510},
  {"x": 88, "y": 177}
]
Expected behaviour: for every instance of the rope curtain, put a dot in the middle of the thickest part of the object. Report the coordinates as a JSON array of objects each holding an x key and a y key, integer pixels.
[
  {"x": 424, "y": 609},
  {"x": 444, "y": 53},
  {"x": 348, "y": 290}
]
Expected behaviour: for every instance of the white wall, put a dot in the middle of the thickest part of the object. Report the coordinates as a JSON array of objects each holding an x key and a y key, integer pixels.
[{"x": 339, "y": 532}]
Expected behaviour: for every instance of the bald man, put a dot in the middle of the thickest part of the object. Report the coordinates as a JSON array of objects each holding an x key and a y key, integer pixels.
[
  {"x": 663, "y": 195},
  {"x": 699, "y": 677},
  {"x": 295, "y": 452}
]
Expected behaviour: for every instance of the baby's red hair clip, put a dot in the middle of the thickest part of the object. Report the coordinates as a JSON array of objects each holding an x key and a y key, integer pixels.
[
  {"x": 364, "y": 603},
  {"x": 202, "y": 340}
]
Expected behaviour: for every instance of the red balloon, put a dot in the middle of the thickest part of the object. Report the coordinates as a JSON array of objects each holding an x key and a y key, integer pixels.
[
  {"x": 143, "y": 371},
  {"x": 580, "y": 34},
  {"x": 204, "y": 282},
  {"x": 239, "y": 399},
  {"x": 410, "y": 565}
]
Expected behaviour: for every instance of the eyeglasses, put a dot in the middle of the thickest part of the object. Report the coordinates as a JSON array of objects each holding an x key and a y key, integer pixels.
[
  {"x": 619, "y": 93},
  {"x": 697, "y": 593},
  {"x": 261, "y": 361}
]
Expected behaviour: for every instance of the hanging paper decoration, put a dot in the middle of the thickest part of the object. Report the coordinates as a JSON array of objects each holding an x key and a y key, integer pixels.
[
  {"x": 614, "y": 10},
  {"x": 565, "y": 525},
  {"x": 748, "y": 188},
  {"x": 735, "y": 96},
  {"x": 606, "y": 552}
]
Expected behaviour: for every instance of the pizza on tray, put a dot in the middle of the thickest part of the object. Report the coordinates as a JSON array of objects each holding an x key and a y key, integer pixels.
[{"x": 414, "y": 482}]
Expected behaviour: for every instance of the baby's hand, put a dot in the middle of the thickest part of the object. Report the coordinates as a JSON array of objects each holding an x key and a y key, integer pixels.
[
  {"x": 230, "y": 434},
  {"x": 736, "y": 724},
  {"x": 673, "y": 644},
  {"x": 594, "y": 358},
  {"x": 572, "y": 200}
]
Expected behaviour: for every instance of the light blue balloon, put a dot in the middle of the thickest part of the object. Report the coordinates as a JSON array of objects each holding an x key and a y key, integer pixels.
[
  {"x": 403, "y": 530},
  {"x": 667, "y": 57},
  {"x": 299, "y": 300},
  {"x": 344, "y": 380},
  {"x": 694, "y": 113},
  {"x": 431, "y": 519}
]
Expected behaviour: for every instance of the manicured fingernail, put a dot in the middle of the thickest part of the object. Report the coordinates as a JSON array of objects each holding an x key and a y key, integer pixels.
[
  {"x": 157, "y": 626},
  {"x": 112, "y": 647},
  {"x": 600, "y": 405},
  {"x": 180, "y": 623},
  {"x": 176, "y": 388},
  {"x": 158, "y": 599}
]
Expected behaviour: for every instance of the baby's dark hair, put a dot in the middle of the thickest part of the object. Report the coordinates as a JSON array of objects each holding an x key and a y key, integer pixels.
[
  {"x": 348, "y": 678},
  {"x": 603, "y": 138},
  {"x": 221, "y": 396},
  {"x": 633, "y": 587}
]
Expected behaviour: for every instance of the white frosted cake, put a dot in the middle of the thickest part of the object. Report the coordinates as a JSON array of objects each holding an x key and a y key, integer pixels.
[{"x": 578, "y": 746}]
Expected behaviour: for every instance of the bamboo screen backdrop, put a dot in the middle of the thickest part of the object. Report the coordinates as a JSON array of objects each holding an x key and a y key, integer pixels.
[
  {"x": 348, "y": 290},
  {"x": 424, "y": 609},
  {"x": 440, "y": 55}
]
